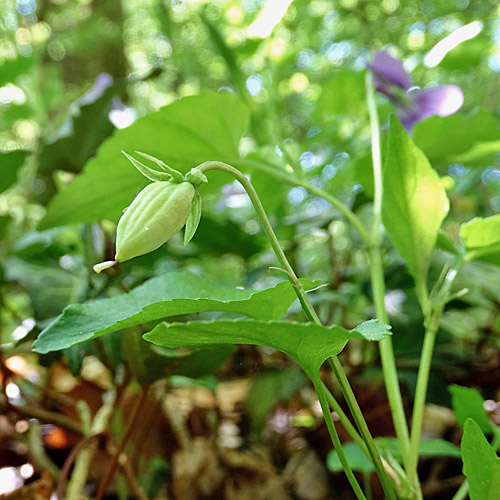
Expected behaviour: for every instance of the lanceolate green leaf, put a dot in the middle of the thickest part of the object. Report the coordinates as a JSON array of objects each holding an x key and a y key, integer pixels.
[
  {"x": 481, "y": 464},
  {"x": 414, "y": 203},
  {"x": 183, "y": 135},
  {"x": 169, "y": 295},
  {"x": 309, "y": 344},
  {"x": 481, "y": 237}
]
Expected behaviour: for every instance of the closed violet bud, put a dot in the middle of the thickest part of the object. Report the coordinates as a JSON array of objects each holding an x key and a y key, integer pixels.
[{"x": 158, "y": 212}]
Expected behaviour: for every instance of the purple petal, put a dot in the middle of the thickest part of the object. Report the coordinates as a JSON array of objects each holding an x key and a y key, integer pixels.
[
  {"x": 441, "y": 101},
  {"x": 387, "y": 69}
]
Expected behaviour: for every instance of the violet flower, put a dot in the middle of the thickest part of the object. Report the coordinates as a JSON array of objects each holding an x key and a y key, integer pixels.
[{"x": 412, "y": 104}]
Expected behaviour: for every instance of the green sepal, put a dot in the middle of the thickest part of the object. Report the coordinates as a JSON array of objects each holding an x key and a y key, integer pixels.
[
  {"x": 193, "y": 219},
  {"x": 176, "y": 175},
  {"x": 148, "y": 172},
  {"x": 196, "y": 177}
]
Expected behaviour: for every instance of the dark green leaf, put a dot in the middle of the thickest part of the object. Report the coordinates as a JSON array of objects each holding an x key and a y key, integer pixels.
[
  {"x": 148, "y": 363},
  {"x": 11, "y": 69},
  {"x": 49, "y": 286},
  {"x": 444, "y": 243},
  {"x": 169, "y": 295},
  {"x": 481, "y": 464},
  {"x": 183, "y": 135},
  {"x": 10, "y": 163},
  {"x": 468, "y": 403},
  {"x": 78, "y": 140},
  {"x": 309, "y": 344},
  {"x": 414, "y": 202},
  {"x": 230, "y": 237}
]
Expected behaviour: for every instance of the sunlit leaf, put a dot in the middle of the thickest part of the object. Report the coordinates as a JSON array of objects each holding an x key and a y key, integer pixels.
[
  {"x": 481, "y": 237},
  {"x": 414, "y": 202}
]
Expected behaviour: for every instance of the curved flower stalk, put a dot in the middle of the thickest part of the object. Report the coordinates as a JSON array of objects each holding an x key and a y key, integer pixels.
[
  {"x": 412, "y": 104},
  {"x": 159, "y": 211}
]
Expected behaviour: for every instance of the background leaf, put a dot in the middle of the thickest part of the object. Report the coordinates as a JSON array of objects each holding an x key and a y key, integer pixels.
[
  {"x": 481, "y": 237},
  {"x": 183, "y": 135},
  {"x": 172, "y": 294},
  {"x": 149, "y": 363},
  {"x": 86, "y": 130},
  {"x": 359, "y": 462},
  {"x": 268, "y": 389},
  {"x": 472, "y": 140},
  {"x": 10, "y": 163},
  {"x": 414, "y": 203},
  {"x": 309, "y": 344},
  {"x": 481, "y": 464},
  {"x": 468, "y": 403}
]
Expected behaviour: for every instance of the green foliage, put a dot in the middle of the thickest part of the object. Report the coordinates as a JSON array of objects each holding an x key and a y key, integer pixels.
[
  {"x": 389, "y": 448},
  {"x": 481, "y": 238},
  {"x": 172, "y": 294},
  {"x": 472, "y": 140},
  {"x": 468, "y": 403},
  {"x": 149, "y": 363},
  {"x": 309, "y": 344},
  {"x": 481, "y": 464},
  {"x": 10, "y": 163},
  {"x": 183, "y": 134},
  {"x": 78, "y": 139},
  {"x": 288, "y": 109},
  {"x": 414, "y": 203},
  {"x": 267, "y": 390}
]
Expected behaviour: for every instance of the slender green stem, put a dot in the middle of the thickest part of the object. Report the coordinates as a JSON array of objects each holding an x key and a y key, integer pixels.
[
  {"x": 419, "y": 405},
  {"x": 309, "y": 311},
  {"x": 254, "y": 198},
  {"x": 335, "y": 406},
  {"x": 387, "y": 354},
  {"x": 378, "y": 188},
  {"x": 296, "y": 181},
  {"x": 362, "y": 426},
  {"x": 433, "y": 309},
  {"x": 323, "y": 400},
  {"x": 377, "y": 279},
  {"x": 462, "y": 492}
]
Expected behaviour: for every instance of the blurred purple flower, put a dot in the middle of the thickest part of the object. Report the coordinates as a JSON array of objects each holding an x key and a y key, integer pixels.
[{"x": 412, "y": 105}]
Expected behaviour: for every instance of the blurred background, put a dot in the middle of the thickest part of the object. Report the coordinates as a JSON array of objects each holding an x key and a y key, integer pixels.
[{"x": 73, "y": 72}]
